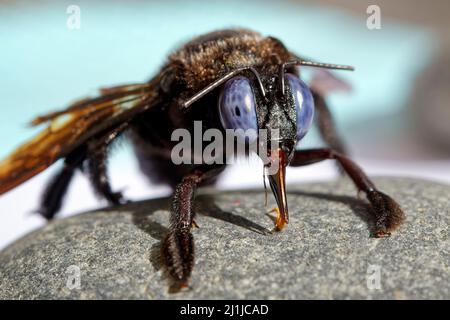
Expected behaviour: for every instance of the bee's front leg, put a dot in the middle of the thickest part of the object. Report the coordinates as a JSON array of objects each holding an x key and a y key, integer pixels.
[
  {"x": 178, "y": 246},
  {"x": 387, "y": 213}
]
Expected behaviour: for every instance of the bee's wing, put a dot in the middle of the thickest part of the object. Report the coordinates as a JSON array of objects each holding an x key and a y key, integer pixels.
[
  {"x": 72, "y": 127},
  {"x": 325, "y": 82}
]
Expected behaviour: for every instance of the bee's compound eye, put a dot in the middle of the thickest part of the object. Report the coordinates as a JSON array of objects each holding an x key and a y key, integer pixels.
[
  {"x": 304, "y": 104},
  {"x": 237, "y": 107}
]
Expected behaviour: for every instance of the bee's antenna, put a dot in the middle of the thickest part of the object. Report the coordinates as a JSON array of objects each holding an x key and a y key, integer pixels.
[
  {"x": 221, "y": 80},
  {"x": 323, "y": 65},
  {"x": 314, "y": 64}
]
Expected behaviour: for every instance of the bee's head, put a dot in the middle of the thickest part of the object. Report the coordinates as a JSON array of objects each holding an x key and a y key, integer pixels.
[
  {"x": 281, "y": 112},
  {"x": 282, "y": 109},
  {"x": 277, "y": 107}
]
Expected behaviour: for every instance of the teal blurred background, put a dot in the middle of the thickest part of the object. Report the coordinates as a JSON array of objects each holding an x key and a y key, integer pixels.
[{"x": 44, "y": 66}]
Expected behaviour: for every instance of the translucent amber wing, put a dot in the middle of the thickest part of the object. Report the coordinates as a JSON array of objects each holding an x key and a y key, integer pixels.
[{"x": 70, "y": 128}]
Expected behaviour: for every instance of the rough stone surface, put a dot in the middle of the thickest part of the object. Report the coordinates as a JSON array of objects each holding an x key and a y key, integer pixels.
[{"x": 326, "y": 252}]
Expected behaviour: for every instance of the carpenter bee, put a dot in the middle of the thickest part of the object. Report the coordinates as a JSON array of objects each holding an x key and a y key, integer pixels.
[{"x": 228, "y": 79}]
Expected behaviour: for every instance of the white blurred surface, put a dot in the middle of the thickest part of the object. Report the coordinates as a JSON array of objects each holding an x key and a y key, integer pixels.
[{"x": 16, "y": 206}]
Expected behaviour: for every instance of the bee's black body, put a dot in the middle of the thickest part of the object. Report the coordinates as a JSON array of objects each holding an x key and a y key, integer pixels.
[
  {"x": 190, "y": 69},
  {"x": 201, "y": 63}
]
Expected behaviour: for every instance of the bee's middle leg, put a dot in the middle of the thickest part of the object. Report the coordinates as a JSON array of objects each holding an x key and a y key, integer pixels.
[
  {"x": 55, "y": 191},
  {"x": 97, "y": 157},
  {"x": 326, "y": 125}
]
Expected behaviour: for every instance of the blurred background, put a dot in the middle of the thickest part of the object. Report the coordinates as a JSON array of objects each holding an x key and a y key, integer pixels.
[{"x": 395, "y": 121}]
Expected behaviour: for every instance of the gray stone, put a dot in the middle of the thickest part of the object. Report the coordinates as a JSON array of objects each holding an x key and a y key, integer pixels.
[{"x": 326, "y": 252}]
